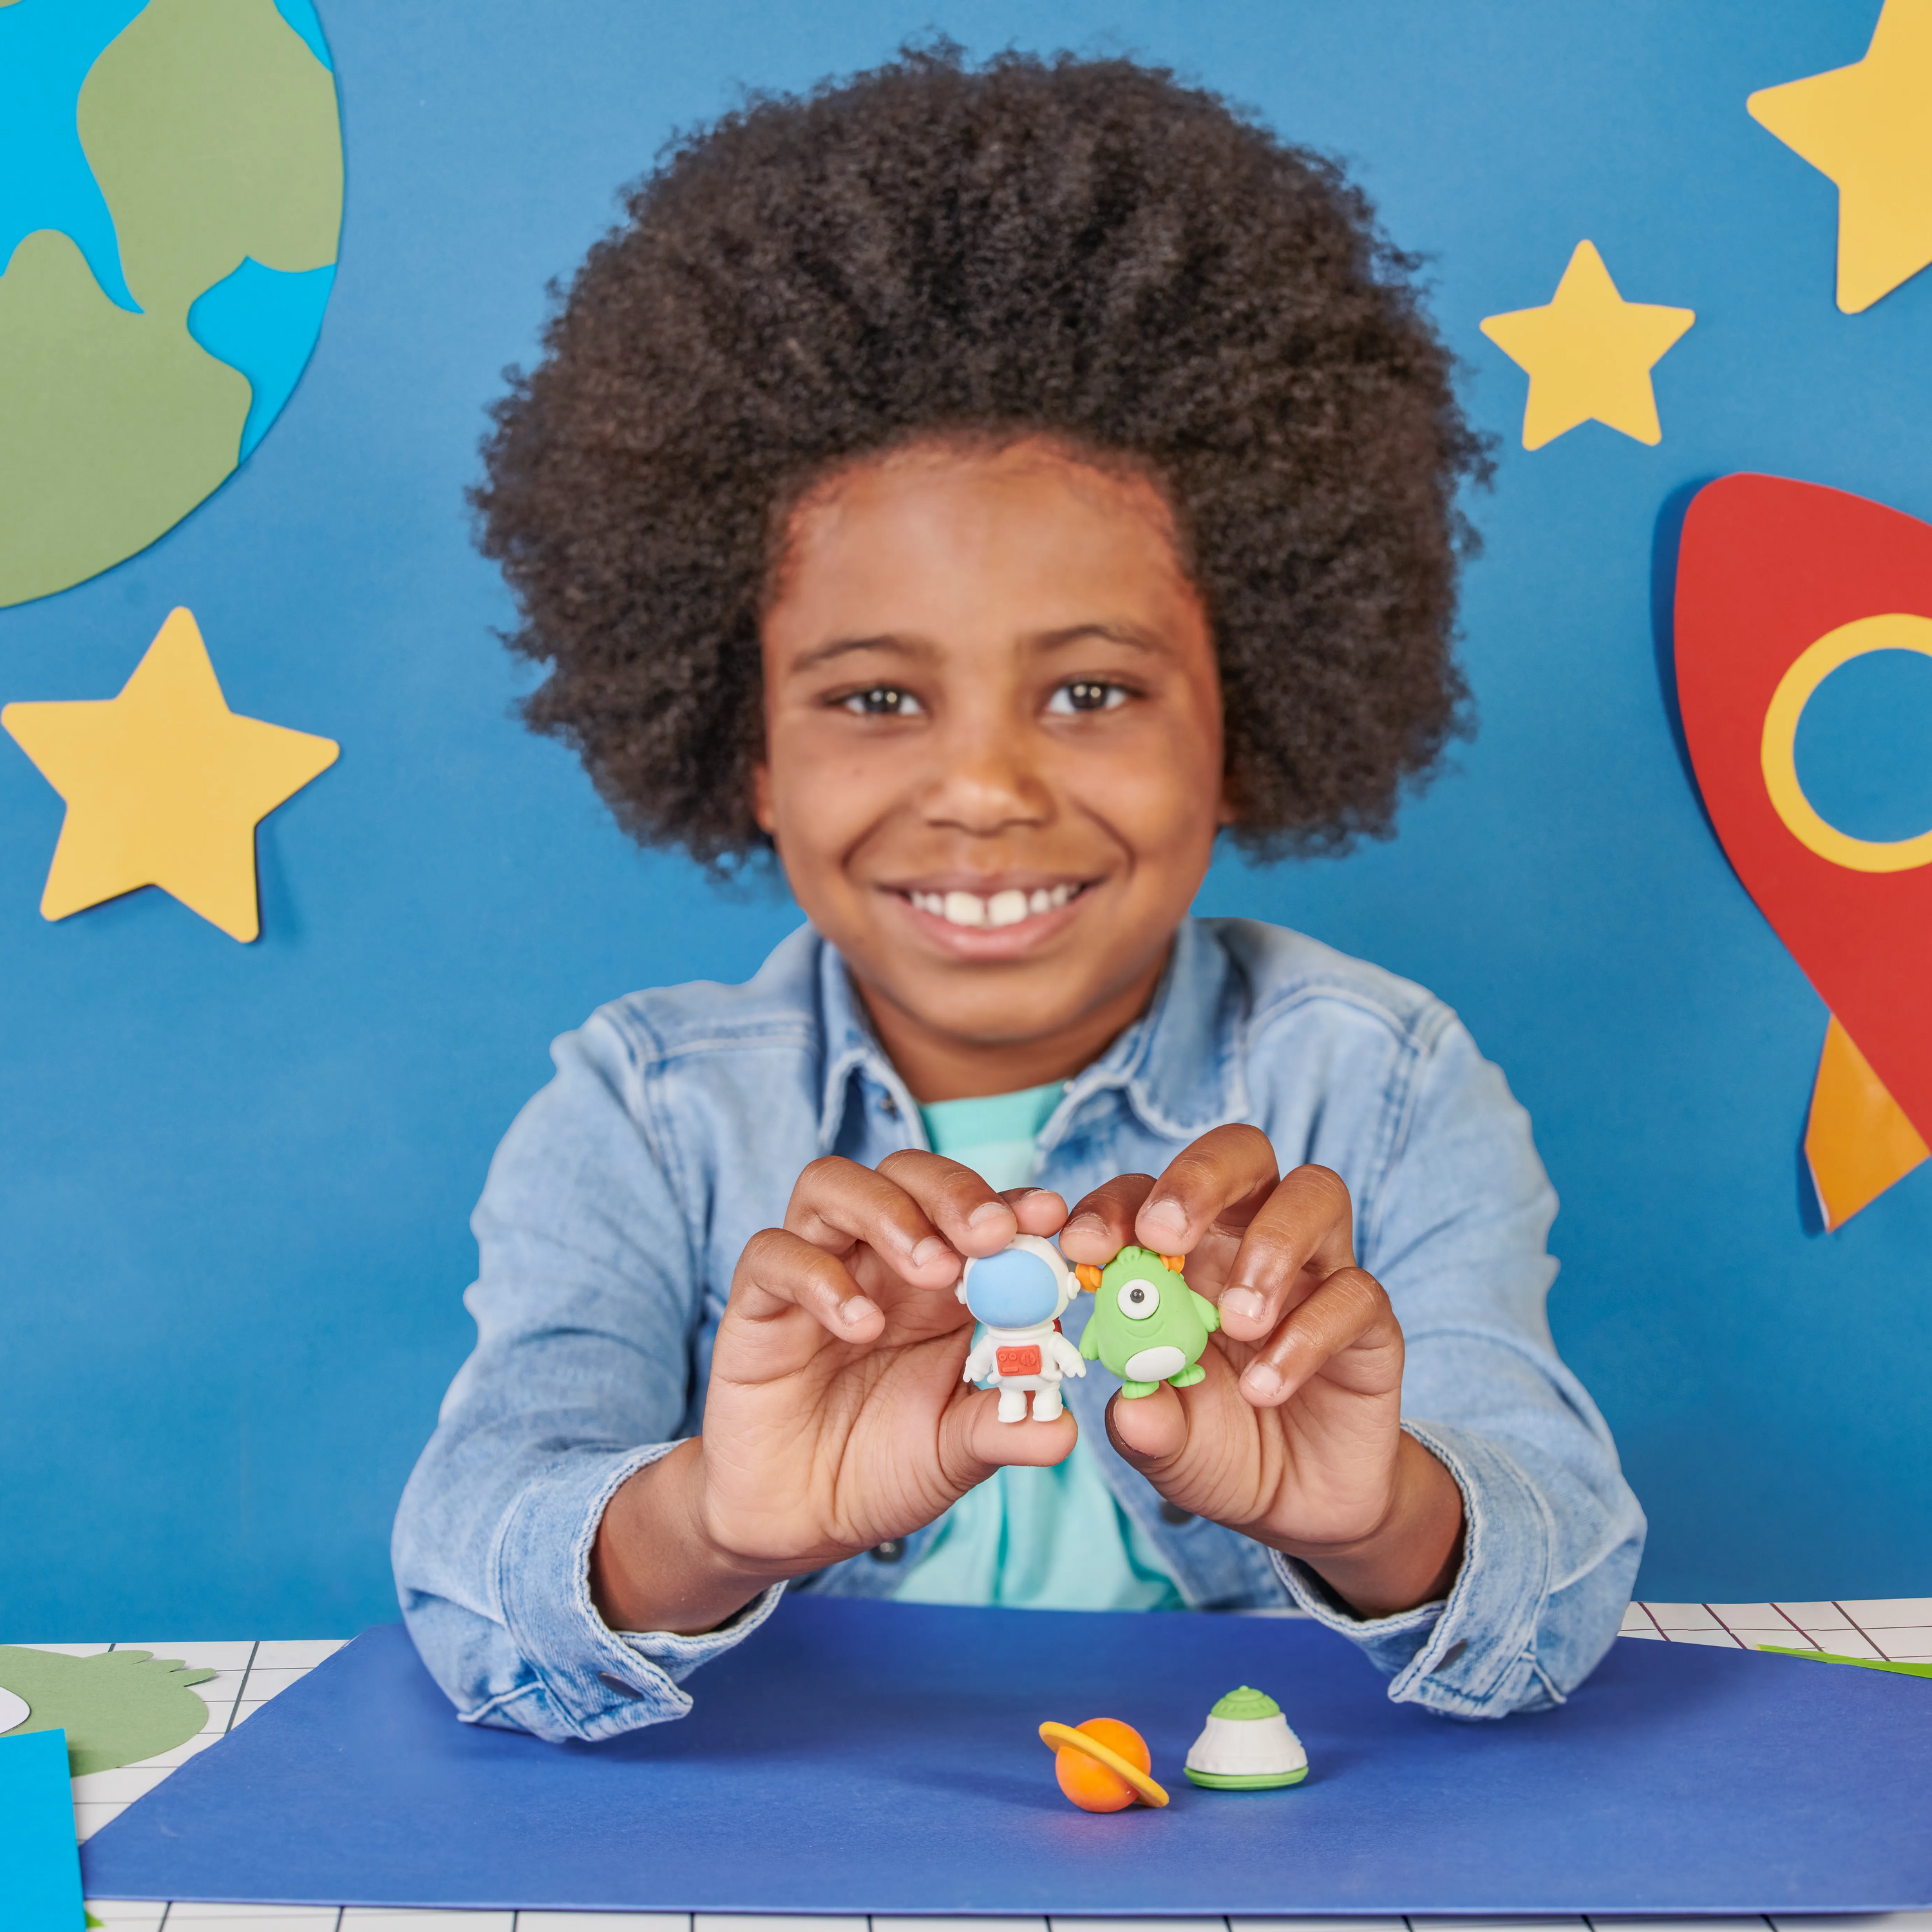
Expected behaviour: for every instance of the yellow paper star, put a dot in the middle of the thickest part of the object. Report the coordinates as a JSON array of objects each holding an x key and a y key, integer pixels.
[
  {"x": 1589, "y": 354},
  {"x": 1868, "y": 127},
  {"x": 164, "y": 785}
]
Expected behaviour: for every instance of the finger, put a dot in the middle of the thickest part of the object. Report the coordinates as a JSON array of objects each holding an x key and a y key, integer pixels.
[
  {"x": 1150, "y": 1431},
  {"x": 975, "y": 1441},
  {"x": 1350, "y": 1309},
  {"x": 972, "y": 1215},
  {"x": 837, "y": 1203},
  {"x": 780, "y": 1274},
  {"x": 1301, "y": 1234},
  {"x": 1217, "y": 1183},
  {"x": 1038, "y": 1211},
  {"x": 1102, "y": 1222}
]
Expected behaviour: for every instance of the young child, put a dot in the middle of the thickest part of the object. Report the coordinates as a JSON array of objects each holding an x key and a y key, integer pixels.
[{"x": 982, "y": 488}]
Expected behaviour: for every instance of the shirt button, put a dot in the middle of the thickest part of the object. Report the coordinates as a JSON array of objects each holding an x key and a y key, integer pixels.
[
  {"x": 890, "y": 1551},
  {"x": 1174, "y": 1513},
  {"x": 618, "y": 1684},
  {"x": 888, "y": 1107}
]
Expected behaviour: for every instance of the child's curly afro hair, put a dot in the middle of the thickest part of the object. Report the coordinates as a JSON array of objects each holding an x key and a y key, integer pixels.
[{"x": 1085, "y": 248}]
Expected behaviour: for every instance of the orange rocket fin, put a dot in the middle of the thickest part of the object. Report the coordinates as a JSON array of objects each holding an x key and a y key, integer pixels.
[{"x": 1857, "y": 1142}]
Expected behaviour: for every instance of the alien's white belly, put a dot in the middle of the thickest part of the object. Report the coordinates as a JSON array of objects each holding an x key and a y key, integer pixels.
[
  {"x": 13, "y": 1711},
  {"x": 1155, "y": 1365}
]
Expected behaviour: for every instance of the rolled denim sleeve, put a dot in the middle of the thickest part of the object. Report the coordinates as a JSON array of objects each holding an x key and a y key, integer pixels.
[
  {"x": 1455, "y": 1228},
  {"x": 586, "y": 1302}
]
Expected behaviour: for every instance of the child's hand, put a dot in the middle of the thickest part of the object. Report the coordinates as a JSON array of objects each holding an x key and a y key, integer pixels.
[
  {"x": 1293, "y": 1436},
  {"x": 836, "y": 1417}
]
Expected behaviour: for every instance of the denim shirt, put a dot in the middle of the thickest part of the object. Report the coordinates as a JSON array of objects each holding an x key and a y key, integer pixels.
[{"x": 618, "y": 1204}]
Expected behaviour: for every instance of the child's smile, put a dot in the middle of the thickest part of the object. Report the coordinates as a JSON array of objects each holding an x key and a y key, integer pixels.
[
  {"x": 993, "y": 764},
  {"x": 992, "y": 918}
]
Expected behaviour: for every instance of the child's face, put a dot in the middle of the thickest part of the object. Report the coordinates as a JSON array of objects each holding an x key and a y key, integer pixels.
[{"x": 993, "y": 764}]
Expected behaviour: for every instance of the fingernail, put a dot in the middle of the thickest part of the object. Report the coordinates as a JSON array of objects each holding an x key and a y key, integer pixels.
[
  {"x": 1085, "y": 1224},
  {"x": 986, "y": 1207},
  {"x": 857, "y": 1311},
  {"x": 930, "y": 1252},
  {"x": 1246, "y": 1303},
  {"x": 1164, "y": 1220},
  {"x": 1262, "y": 1381}
]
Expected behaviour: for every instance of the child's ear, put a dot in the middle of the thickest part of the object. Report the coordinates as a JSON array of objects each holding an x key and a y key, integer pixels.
[
  {"x": 1228, "y": 812},
  {"x": 761, "y": 796}
]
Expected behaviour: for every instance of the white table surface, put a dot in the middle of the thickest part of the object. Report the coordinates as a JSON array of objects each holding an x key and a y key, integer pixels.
[{"x": 248, "y": 1673}]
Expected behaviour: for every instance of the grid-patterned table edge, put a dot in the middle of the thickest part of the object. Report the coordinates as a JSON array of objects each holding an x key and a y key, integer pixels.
[{"x": 248, "y": 1673}]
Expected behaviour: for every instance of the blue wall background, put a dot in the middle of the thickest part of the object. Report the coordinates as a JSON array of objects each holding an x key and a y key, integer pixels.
[{"x": 234, "y": 1181}]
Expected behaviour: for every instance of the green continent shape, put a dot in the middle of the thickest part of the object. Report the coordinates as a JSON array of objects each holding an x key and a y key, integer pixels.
[
  {"x": 213, "y": 132},
  {"x": 116, "y": 1708},
  {"x": 112, "y": 426}
]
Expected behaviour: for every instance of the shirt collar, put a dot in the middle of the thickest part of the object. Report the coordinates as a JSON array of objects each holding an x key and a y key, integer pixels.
[{"x": 1175, "y": 1066}]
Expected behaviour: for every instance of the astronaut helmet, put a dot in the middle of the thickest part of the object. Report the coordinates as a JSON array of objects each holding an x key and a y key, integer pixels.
[{"x": 1027, "y": 1284}]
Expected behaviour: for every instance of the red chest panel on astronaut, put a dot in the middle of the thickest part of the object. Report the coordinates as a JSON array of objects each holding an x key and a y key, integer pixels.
[{"x": 1018, "y": 1361}]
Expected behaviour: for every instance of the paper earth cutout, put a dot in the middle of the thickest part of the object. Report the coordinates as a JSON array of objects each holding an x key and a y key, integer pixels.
[
  {"x": 117, "y": 1707},
  {"x": 170, "y": 203},
  {"x": 1778, "y": 582}
]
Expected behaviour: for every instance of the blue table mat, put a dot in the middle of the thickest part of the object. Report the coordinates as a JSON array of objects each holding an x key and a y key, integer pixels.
[{"x": 855, "y": 1756}]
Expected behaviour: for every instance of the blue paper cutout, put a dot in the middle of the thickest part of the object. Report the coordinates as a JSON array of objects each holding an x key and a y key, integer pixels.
[
  {"x": 47, "y": 48},
  {"x": 300, "y": 14},
  {"x": 39, "y": 1863},
  {"x": 264, "y": 323}
]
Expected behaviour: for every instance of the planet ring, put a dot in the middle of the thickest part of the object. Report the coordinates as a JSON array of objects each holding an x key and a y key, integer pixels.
[
  {"x": 1896, "y": 631},
  {"x": 1055, "y": 1735}
]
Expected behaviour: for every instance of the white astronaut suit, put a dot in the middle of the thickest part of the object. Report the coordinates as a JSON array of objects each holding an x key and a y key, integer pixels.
[{"x": 1019, "y": 1295}]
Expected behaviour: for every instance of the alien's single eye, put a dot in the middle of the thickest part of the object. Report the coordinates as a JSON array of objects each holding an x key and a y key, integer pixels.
[
  {"x": 882, "y": 700},
  {"x": 1137, "y": 1300},
  {"x": 1087, "y": 694}
]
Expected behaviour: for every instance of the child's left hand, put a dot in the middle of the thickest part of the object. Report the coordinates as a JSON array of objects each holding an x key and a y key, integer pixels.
[{"x": 1293, "y": 1438}]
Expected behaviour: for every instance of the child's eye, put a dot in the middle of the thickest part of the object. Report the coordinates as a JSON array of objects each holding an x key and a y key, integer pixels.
[
  {"x": 1087, "y": 694},
  {"x": 882, "y": 700}
]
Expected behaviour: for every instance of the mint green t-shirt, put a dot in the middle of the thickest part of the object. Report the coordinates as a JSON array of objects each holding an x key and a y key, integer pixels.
[{"x": 1046, "y": 1539}]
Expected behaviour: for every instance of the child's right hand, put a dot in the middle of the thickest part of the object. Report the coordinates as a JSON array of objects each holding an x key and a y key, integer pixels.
[{"x": 836, "y": 1418}]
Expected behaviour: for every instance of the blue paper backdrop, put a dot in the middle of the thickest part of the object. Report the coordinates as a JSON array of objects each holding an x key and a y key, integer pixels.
[{"x": 234, "y": 1180}]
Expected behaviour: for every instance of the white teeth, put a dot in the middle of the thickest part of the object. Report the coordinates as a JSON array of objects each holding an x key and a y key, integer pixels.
[{"x": 1004, "y": 908}]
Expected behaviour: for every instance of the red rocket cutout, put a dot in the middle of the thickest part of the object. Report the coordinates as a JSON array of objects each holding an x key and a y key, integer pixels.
[{"x": 1778, "y": 582}]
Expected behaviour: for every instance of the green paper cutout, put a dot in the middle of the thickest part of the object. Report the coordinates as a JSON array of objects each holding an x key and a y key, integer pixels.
[
  {"x": 263, "y": 174},
  {"x": 92, "y": 1922},
  {"x": 212, "y": 130},
  {"x": 117, "y": 1707},
  {"x": 97, "y": 469},
  {"x": 1862, "y": 1663}
]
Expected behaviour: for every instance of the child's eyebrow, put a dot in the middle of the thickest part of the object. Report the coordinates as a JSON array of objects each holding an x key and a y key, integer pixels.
[
  {"x": 1116, "y": 632},
  {"x": 840, "y": 647}
]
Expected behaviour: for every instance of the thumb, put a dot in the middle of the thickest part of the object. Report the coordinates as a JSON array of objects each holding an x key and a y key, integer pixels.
[
  {"x": 974, "y": 1442},
  {"x": 1149, "y": 1431}
]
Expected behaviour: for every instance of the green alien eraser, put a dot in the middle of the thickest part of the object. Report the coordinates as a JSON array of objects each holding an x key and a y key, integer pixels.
[{"x": 1148, "y": 1326}]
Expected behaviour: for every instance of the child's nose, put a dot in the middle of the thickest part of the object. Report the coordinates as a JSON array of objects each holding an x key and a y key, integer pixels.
[{"x": 985, "y": 780}]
